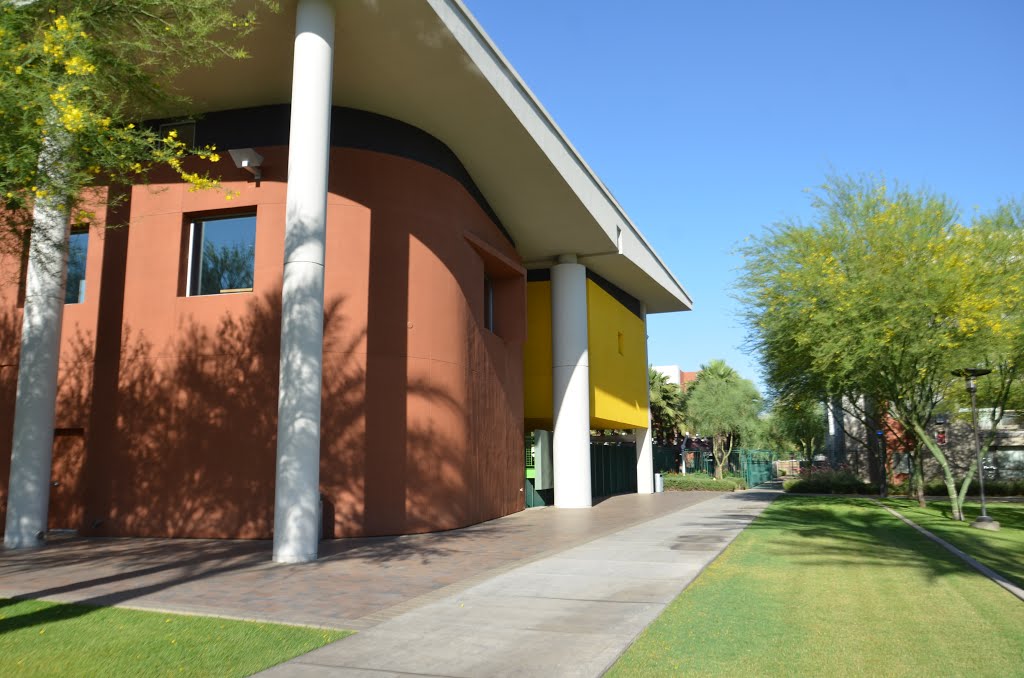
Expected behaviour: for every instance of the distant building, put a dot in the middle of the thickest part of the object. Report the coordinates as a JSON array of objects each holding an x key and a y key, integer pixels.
[
  {"x": 676, "y": 375},
  {"x": 858, "y": 447}
]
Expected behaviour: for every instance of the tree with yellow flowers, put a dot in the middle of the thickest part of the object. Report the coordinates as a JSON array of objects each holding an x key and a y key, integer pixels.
[
  {"x": 77, "y": 81},
  {"x": 881, "y": 297}
]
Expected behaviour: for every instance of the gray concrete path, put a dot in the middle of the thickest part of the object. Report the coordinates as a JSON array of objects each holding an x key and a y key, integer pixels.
[
  {"x": 355, "y": 584},
  {"x": 570, "y": 613}
]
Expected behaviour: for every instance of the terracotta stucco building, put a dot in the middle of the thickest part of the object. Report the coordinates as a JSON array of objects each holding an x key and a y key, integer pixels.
[{"x": 475, "y": 280}]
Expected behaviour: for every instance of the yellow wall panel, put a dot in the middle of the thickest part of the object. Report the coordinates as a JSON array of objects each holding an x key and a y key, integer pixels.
[
  {"x": 618, "y": 362},
  {"x": 617, "y": 353},
  {"x": 537, "y": 356}
]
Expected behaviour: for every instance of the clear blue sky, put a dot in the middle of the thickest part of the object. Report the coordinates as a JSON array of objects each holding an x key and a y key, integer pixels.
[{"x": 709, "y": 120}]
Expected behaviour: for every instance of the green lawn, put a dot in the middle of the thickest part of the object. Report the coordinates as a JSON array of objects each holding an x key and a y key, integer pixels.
[
  {"x": 833, "y": 587},
  {"x": 38, "y": 638},
  {"x": 1003, "y": 551}
]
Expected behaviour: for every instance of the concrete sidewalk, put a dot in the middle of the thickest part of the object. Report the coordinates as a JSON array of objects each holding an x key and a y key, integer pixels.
[
  {"x": 570, "y": 613},
  {"x": 355, "y": 584}
]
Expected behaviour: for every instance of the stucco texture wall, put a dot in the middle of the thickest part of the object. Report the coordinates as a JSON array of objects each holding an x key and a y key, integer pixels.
[{"x": 421, "y": 425}]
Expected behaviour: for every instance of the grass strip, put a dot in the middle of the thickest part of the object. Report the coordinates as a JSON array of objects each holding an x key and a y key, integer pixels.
[
  {"x": 1003, "y": 551},
  {"x": 39, "y": 638},
  {"x": 838, "y": 587}
]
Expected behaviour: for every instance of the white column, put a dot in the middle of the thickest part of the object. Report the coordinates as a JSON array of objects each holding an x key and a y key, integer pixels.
[
  {"x": 571, "y": 383},
  {"x": 297, "y": 491},
  {"x": 644, "y": 443},
  {"x": 28, "y": 491}
]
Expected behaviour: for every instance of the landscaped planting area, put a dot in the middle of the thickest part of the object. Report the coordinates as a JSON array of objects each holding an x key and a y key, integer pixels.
[
  {"x": 821, "y": 586},
  {"x": 702, "y": 481},
  {"x": 48, "y": 639}
]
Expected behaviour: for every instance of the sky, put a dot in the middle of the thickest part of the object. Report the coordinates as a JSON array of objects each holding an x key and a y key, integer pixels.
[{"x": 710, "y": 120}]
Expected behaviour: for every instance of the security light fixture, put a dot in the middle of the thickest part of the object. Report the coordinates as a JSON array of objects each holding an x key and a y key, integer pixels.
[{"x": 247, "y": 158}]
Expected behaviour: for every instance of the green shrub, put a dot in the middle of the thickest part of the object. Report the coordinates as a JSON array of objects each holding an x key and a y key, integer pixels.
[
  {"x": 827, "y": 481},
  {"x": 993, "y": 488},
  {"x": 701, "y": 481}
]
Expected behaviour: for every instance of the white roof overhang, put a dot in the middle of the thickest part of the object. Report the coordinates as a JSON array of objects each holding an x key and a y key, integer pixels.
[{"x": 428, "y": 63}]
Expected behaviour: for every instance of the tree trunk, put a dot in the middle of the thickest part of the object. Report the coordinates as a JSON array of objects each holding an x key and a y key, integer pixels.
[
  {"x": 918, "y": 477},
  {"x": 718, "y": 449},
  {"x": 947, "y": 472},
  {"x": 966, "y": 484}
]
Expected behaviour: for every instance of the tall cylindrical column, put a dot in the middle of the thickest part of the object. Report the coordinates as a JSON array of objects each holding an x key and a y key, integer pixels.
[
  {"x": 571, "y": 383},
  {"x": 297, "y": 491},
  {"x": 28, "y": 492},
  {"x": 644, "y": 442}
]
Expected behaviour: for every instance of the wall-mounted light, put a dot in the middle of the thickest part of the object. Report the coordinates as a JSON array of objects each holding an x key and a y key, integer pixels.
[{"x": 247, "y": 158}]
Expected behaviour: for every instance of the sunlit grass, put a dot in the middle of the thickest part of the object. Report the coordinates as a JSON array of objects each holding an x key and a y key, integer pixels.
[
  {"x": 833, "y": 587},
  {"x": 39, "y": 638},
  {"x": 1003, "y": 551}
]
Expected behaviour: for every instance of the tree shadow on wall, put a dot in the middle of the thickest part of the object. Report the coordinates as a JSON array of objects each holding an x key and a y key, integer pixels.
[
  {"x": 10, "y": 331},
  {"x": 183, "y": 442}
]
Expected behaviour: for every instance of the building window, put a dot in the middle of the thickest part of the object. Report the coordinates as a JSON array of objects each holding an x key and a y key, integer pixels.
[
  {"x": 78, "y": 248},
  {"x": 488, "y": 303},
  {"x": 221, "y": 255},
  {"x": 622, "y": 344}
]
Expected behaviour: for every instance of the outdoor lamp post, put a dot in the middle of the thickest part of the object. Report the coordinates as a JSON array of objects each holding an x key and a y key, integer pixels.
[
  {"x": 969, "y": 373},
  {"x": 883, "y": 473}
]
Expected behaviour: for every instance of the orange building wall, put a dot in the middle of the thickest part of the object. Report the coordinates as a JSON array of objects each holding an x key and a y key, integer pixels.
[{"x": 422, "y": 407}]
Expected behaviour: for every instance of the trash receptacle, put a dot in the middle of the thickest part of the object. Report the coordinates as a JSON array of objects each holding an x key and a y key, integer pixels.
[{"x": 659, "y": 483}]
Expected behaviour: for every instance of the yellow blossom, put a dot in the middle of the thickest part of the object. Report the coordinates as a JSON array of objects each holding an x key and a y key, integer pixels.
[{"x": 76, "y": 65}]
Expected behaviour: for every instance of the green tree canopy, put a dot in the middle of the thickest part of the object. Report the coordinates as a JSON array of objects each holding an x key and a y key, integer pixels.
[
  {"x": 800, "y": 425},
  {"x": 723, "y": 405},
  {"x": 666, "y": 406},
  {"x": 78, "y": 77},
  {"x": 882, "y": 296}
]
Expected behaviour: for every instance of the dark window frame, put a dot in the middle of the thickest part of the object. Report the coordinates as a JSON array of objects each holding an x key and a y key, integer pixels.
[
  {"x": 193, "y": 243},
  {"x": 79, "y": 229}
]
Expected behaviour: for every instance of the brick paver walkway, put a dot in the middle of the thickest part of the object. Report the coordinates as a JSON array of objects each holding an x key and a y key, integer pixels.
[{"x": 356, "y": 583}]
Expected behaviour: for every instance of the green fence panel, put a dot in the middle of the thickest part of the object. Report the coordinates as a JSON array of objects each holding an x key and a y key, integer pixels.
[
  {"x": 612, "y": 468},
  {"x": 666, "y": 459},
  {"x": 756, "y": 466}
]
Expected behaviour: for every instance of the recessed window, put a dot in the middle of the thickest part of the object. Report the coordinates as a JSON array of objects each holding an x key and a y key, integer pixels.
[
  {"x": 622, "y": 344},
  {"x": 221, "y": 255},
  {"x": 78, "y": 248},
  {"x": 488, "y": 303}
]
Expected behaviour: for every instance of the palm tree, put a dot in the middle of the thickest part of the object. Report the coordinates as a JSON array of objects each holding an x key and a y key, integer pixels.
[{"x": 666, "y": 406}]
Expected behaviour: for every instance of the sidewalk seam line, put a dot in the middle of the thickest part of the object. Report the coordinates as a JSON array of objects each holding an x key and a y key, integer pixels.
[
  {"x": 980, "y": 567},
  {"x": 363, "y": 668}
]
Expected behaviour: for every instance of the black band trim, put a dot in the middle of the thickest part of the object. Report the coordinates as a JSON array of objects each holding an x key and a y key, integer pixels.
[
  {"x": 629, "y": 302},
  {"x": 350, "y": 128}
]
